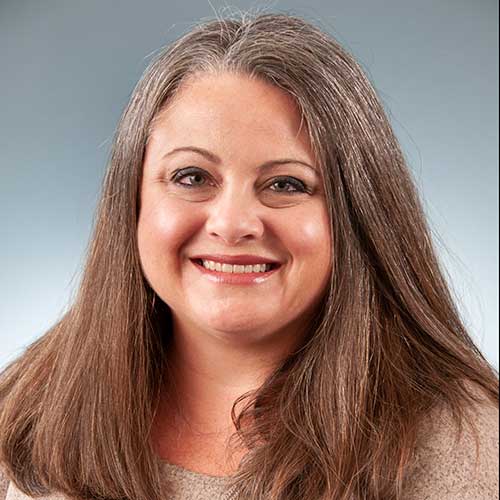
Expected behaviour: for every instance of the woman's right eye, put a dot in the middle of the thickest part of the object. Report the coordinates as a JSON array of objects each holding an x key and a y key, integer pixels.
[{"x": 195, "y": 173}]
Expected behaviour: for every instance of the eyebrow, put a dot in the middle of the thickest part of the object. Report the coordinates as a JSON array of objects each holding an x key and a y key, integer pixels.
[{"x": 215, "y": 159}]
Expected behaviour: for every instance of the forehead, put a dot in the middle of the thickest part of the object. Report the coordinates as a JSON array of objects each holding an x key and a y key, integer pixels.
[{"x": 233, "y": 109}]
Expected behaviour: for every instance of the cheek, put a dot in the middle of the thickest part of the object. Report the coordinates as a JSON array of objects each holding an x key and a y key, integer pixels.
[
  {"x": 162, "y": 231},
  {"x": 310, "y": 234}
]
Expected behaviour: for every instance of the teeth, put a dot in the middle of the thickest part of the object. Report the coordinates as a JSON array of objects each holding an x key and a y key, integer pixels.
[{"x": 229, "y": 268}]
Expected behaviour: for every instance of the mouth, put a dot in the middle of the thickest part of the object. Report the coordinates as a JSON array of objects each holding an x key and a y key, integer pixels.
[
  {"x": 269, "y": 267},
  {"x": 238, "y": 278}
]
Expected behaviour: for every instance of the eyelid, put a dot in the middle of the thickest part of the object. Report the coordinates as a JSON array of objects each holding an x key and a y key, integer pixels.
[{"x": 186, "y": 170}]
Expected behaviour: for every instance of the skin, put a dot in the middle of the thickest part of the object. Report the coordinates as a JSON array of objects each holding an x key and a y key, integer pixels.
[{"x": 227, "y": 338}]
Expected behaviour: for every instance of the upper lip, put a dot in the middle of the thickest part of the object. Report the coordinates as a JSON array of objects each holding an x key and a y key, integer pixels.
[{"x": 237, "y": 259}]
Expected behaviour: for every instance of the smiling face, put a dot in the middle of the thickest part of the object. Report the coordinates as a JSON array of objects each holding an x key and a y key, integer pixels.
[{"x": 227, "y": 203}]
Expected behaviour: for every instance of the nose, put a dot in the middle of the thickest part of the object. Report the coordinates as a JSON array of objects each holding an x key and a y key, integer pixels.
[{"x": 234, "y": 216}]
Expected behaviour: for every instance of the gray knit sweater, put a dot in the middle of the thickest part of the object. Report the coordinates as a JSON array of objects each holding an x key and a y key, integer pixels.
[{"x": 444, "y": 470}]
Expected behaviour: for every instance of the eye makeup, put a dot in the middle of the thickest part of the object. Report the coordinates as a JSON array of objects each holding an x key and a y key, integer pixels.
[{"x": 297, "y": 186}]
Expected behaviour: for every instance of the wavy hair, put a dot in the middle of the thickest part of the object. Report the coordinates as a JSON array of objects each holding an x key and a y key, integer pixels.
[{"x": 338, "y": 418}]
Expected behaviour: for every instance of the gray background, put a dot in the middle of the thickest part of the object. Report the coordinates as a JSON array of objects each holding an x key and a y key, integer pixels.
[{"x": 68, "y": 68}]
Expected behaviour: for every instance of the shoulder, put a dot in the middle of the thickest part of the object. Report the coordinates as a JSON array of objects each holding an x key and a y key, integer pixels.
[
  {"x": 450, "y": 466},
  {"x": 4, "y": 484}
]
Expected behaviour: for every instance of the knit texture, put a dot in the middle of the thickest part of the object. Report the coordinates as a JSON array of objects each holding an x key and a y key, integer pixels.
[
  {"x": 189, "y": 485},
  {"x": 449, "y": 470},
  {"x": 444, "y": 469}
]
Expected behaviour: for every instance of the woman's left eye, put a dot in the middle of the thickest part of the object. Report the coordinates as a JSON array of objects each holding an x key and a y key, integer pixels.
[{"x": 298, "y": 186}]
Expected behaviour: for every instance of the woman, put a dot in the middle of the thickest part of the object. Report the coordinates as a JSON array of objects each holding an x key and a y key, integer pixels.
[{"x": 336, "y": 368}]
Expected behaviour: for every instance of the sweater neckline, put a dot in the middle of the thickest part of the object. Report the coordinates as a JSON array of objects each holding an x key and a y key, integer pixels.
[{"x": 183, "y": 472}]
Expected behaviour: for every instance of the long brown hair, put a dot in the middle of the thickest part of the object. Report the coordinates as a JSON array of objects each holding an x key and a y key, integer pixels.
[{"x": 338, "y": 419}]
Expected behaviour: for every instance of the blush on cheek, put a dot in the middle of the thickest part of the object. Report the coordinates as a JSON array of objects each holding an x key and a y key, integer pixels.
[
  {"x": 172, "y": 227},
  {"x": 311, "y": 235}
]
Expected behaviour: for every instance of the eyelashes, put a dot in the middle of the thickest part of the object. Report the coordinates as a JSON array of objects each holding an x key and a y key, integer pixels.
[{"x": 299, "y": 187}]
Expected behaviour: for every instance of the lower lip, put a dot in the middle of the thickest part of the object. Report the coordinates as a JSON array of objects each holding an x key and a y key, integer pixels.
[{"x": 235, "y": 278}]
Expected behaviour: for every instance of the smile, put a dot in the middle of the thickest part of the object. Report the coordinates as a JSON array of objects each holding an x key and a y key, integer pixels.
[
  {"x": 235, "y": 274},
  {"x": 234, "y": 268}
]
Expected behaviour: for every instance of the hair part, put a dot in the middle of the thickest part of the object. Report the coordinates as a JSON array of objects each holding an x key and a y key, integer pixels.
[{"x": 339, "y": 418}]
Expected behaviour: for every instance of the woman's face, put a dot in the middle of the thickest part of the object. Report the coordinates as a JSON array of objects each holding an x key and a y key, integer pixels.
[{"x": 225, "y": 203}]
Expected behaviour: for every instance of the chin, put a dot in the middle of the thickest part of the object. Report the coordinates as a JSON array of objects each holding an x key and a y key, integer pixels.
[{"x": 247, "y": 324}]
